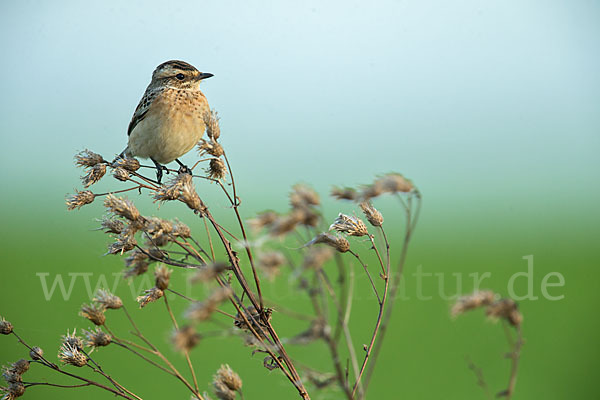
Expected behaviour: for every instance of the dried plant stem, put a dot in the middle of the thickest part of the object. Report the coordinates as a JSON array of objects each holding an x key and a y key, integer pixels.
[
  {"x": 98, "y": 369},
  {"x": 368, "y": 274},
  {"x": 410, "y": 224},
  {"x": 515, "y": 356},
  {"x": 480, "y": 379}
]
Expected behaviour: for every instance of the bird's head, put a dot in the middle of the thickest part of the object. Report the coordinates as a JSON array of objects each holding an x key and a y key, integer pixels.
[{"x": 178, "y": 74}]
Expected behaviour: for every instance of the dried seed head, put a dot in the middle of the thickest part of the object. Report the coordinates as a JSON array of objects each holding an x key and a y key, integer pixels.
[
  {"x": 112, "y": 225},
  {"x": 72, "y": 355},
  {"x": 6, "y": 327},
  {"x": 338, "y": 243},
  {"x": 344, "y": 193},
  {"x": 163, "y": 275},
  {"x": 73, "y": 340},
  {"x": 211, "y": 120},
  {"x": 182, "y": 230},
  {"x": 222, "y": 391},
  {"x": 108, "y": 300},
  {"x": 285, "y": 224},
  {"x": 121, "y": 174},
  {"x": 316, "y": 257},
  {"x": 93, "y": 175},
  {"x": 150, "y": 296},
  {"x": 373, "y": 216},
  {"x": 36, "y": 353},
  {"x": 186, "y": 338},
  {"x": 137, "y": 262},
  {"x": 202, "y": 310},
  {"x": 507, "y": 309},
  {"x": 271, "y": 262},
  {"x": 188, "y": 194},
  {"x": 371, "y": 191},
  {"x": 87, "y": 158},
  {"x": 168, "y": 192},
  {"x": 394, "y": 183},
  {"x": 473, "y": 301},
  {"x": 122, "y": 207},
  {"x": 303, "y": 196},
  {"x": 79, "y": 199},
  {"x": 128, "y": 164},
  {"x": 10, "y": 376},
  {"x": 305, "y": 216},
  {"x": 20, "y": 367},
  {"x": 123, "y": 244},
  {"x": 210, "y": 147},
  {"x": 209, "y": 272},
  {"x": 94, "y": 313},
  {"x": 266, "y": 218},
  {"x": 229, "y": 377},
  {"x": 350, "y": 225},
  {"x": 97, "y": 338},
  {"x": 14, "y": 390},
  {"x": 216, "y": 169}
]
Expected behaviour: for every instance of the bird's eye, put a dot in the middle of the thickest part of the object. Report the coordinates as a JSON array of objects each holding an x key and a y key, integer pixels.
[{"x": 180, "y": 76}]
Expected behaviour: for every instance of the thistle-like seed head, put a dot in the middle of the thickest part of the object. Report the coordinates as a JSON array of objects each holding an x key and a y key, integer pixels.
[
  {"x": 36, "y": 353},
  {"x": 303, "y": 196},
  {"x": 97, "y": 338},
  {"x": 373, "y": 216},
  {"x": 93, "y": 175},
  {"x": 108, "y": 300},
  {"x": 112, "y": 225},
  {"x": 87, "y": 158},
  {"x": 210, "y": 147},
  {"x": 344, "y": 193},
  {"x": 338, "y": 243},
  {"x": 182, "y": 230},
  {"x": 350, "y": 225},
  {"x": 79, "y": 199},
  {"x": 72, "y": 355},
  {"x": 137, "y": 262},
  {"x": 222, "y": 391},
  {"x": 211, "y": 120},
  {"x": 123, "y": 244},
  {"x": 14, "y": 390},
  {"x": 216, "y": 169},
  {"x": 507, "y": 309},
  {"x": 229, "y": 377},
  {"x": 121, "y": 207},
  {"x": 478, "y": 299},
  {"x": 128, "y": 164},
  {"x": 121, "y": 174},
  {"x": 94, "y": 313},
  {"x": 188, "y": 193},
  {"x": 73, "y": 340},
  {"x": 20, "y": 367},
  {"x": 150, "y": 296}
]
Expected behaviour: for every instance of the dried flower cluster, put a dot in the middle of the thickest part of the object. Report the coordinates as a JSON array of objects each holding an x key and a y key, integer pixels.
[{"x": 495, "y": 307}]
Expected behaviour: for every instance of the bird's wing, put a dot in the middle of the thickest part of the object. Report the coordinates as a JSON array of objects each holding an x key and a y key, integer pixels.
[{"x": 142, "y": 109}]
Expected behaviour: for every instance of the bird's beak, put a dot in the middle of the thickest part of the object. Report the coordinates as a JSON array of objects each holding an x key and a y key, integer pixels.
[{"x": 204, "y": 75}]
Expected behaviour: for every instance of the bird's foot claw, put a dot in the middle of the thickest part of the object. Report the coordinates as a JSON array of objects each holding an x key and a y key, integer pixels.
[{"x": 184, "y": 169}]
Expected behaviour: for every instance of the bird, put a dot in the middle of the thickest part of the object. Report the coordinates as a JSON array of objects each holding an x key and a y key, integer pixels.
[{"x": 169, "y": 119}]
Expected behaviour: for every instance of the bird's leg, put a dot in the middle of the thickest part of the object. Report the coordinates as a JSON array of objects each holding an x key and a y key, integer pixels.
[
  {"x": 159, "y": 170},
  {"x": 183, "y": 169}
]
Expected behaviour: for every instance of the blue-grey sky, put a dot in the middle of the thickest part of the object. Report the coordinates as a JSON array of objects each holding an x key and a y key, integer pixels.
[{"x": 462, "y": 96}]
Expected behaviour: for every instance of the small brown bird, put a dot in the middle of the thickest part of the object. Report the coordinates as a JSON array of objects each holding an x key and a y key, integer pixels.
[{"x": 169, "y": 120}]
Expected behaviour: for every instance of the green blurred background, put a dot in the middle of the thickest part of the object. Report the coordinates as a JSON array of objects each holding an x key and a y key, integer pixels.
[{"x": 491, "y": 108}]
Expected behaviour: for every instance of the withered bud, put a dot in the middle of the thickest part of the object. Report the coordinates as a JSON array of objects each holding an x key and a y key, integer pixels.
[
  {"x": 507, "y": 309},
  {"x": 216, "y": 169},
  {"x": 211, "y": 120},
  {"x": 209, "y": 272},
  {"x": 121, "y": 174},
  {"x": 186, "y": 338},
  {"x": 36, "y": 353},
  {"x": 112, "y": 225},
  {"x": 350, "y": 225},
  {"x": 94, "y": 313},
  {"x": 150, "y": 296},
  {"x": 371, "y": 213},
  {"x": 79, "y": 199},
  {"x": 338, "y": 243},
  {"x": 303, "y": 196},
  {"x": 162, "y": 275},
  {"x": 6, "y": 327},
  {"x": 72, "y": 356},
  {"x": 122, "y": 207},
  {"x": 97, "y": 338},
  {"x": 87, "y": 158},
  {"x": 93, "y": 175},
  {"x": 210, "y": 147},
  {"x": 128, "y": 164},
  {"x": 202, "y": 310},
  {"x": 108, "y": 300},
  {"x": 344, "y": 193},
  {"x": 473, "y": 301},
  {"x": 229, "y": 377}
]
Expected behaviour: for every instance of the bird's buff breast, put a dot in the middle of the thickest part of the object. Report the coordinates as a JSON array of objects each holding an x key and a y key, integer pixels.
[{"x": 173, "y": 125}]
